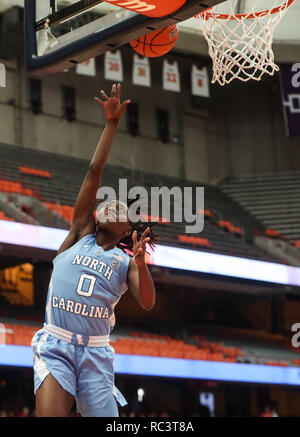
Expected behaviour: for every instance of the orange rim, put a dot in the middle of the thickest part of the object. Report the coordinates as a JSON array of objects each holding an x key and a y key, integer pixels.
[{"x": 240, "y": 16}]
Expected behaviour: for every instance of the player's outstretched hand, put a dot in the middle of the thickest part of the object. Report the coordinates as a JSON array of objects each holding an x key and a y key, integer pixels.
[
  {"x": 112, "y": 105},
  {"x": 139, "y": 247}
]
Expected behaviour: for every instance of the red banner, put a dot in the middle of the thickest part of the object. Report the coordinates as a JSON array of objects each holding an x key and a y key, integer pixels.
[{"x": 151, "y": 8}]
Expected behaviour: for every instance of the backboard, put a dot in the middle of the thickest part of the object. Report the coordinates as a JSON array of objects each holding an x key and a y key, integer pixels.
[{"x": 62, "y": 33}]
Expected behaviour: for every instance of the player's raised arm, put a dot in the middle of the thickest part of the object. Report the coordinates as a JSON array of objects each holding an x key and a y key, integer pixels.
[{"x": 83, "y": 219}]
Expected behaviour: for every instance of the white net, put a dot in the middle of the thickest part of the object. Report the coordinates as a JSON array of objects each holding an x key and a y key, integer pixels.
[{"x": 240, "y": 44}]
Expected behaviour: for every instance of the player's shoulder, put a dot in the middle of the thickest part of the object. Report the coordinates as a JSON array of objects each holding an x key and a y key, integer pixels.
[
  {"x": 85, "y": 240},
  {"x": 121, "y": 255}
]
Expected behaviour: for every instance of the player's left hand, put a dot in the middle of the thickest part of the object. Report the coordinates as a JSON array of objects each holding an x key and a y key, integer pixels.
[{"x": 139, "y": 247}]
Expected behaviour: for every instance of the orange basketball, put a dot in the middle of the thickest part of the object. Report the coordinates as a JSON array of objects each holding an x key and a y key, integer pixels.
[{"x": 157, "y": 43}]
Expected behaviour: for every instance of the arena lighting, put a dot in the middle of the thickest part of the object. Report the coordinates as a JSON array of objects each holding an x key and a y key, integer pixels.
[
  {"x": 164, "y": 256},
  {"x": 22, "y": 356},
  {"x": 140, "y": 393},
  {"x": 225, "y": 265}
]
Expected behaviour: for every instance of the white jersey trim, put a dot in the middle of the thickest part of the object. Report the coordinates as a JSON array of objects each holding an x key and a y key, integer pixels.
[{"x": 67, "y": 336}]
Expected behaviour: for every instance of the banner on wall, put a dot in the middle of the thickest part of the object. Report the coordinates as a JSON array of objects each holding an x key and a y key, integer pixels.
[
  {"x": 2, "y": 76},
  {"x": 113, "y": 67},
  {"x": 87, "y": 68},
  {"x": 290, "y": 90},
  {"x": 171, "y": 76},
  {"x": 200, "y": 81},
  {"x": 141, "y": 74}
]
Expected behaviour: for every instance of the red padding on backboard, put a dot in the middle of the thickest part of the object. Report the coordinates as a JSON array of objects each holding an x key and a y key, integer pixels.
[{"x": 151, "y": 8}]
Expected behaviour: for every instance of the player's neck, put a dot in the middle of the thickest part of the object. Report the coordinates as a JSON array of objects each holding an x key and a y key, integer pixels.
[{"x": 106, "y": 241}]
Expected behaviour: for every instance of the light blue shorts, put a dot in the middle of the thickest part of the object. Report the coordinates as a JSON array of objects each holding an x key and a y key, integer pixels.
[{"x": 85, "y": 372}]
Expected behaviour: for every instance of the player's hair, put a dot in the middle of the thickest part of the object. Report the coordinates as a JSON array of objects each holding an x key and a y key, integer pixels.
[
  {"x": 139, "y": 226},
  {"x": 126, "y": 244}
]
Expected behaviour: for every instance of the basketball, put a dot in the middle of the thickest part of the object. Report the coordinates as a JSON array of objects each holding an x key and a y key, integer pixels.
[{"x": 157, "y": 43}]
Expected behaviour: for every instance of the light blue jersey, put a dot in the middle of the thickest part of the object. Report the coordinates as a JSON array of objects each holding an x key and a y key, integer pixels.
[{"x": 86, "y": 284}]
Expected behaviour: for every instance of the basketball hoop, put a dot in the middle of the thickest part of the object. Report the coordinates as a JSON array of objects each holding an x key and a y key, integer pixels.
[{"x": 240, "y": 45}]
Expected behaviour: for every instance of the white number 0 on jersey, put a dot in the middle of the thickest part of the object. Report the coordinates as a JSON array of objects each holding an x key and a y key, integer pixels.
[{"x": 91, "y": 279}]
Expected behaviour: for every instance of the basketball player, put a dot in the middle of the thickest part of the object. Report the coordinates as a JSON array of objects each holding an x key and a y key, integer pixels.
[{"x": 72, "y": 356}]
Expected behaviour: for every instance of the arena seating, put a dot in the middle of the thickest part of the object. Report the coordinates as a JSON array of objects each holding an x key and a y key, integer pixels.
[
  {"x": 194, "y": 348},
  {"x": 273, "y": 198},
  {"x": 228, "y": 229},
  {"x": 35, "y": 172},
  {"x": 3, "y": 217}
]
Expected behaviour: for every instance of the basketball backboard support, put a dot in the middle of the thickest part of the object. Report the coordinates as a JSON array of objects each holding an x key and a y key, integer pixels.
[{"x": 60, "y": 33}]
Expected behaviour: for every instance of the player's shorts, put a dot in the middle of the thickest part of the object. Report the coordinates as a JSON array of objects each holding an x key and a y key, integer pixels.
[{"x": 85, "y": 372}]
